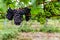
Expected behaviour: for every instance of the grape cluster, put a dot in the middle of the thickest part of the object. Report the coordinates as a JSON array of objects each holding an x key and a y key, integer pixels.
[
  {"x": 27, "y": 14},
  {"x": 17, "y": 14},
  {"x": 17, "y": 17},
  {"x": 9, "y": 14}
]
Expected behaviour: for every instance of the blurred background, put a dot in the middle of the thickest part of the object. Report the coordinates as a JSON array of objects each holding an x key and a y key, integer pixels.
[{"x": 45, "y": 17}]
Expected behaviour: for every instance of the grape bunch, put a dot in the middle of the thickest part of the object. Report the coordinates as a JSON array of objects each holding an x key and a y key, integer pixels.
[
  {"x": 17, "y": 17},
  {"x": 9, "y": 14},
  {"x": 27, "y": 14},
  {"x": 17, "y": 14}
]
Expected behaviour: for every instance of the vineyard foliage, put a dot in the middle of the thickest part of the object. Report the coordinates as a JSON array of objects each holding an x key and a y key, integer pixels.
[{"x": 40, "y": 9}]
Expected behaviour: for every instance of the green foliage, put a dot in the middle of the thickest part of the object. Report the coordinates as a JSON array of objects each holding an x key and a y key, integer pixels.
[
  {"x": 49, "y": 29},
  {"x": 25, "y": 1},
  {"x": 25, "y": 28},
  {"x": 8, "y": 34},
  {"x": 48, "y": 14},
  {"x": 42, "y": 20},
  {"x": 52, "y": 8}
]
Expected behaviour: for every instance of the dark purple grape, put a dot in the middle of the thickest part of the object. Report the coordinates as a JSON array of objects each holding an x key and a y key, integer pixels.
[
  {"x": 27, "y": 17},
  {"x": 27, "y": 10},
  {"x": 17, "y": 18},
  {"x": 27, "y": 13},
  {"x": 21, "y": 11},
  {"x": 9, "y": 14}
]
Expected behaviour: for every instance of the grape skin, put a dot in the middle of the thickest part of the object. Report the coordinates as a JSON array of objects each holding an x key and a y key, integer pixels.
[
  {"x": 17, "y": 18},
  {"x": 9, "y": 14},
  {"x": 27, "y": 13}
]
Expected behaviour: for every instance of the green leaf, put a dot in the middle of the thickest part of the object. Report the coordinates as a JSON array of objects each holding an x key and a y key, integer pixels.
[{"x": 25, "y": 1}]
